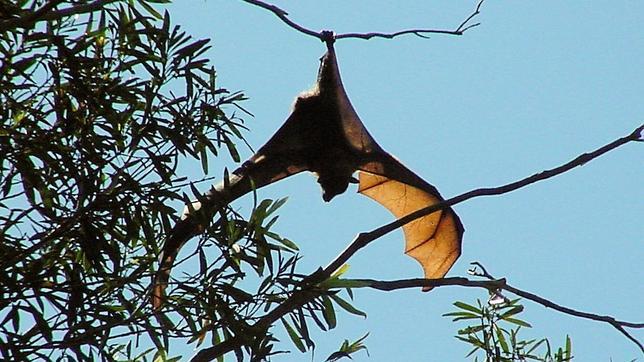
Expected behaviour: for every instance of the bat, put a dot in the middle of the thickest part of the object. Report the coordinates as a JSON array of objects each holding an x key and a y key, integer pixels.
[{"x": 324, "y": 135}]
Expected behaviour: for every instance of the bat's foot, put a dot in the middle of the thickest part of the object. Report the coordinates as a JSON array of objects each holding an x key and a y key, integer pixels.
[{"x": 327, "y": 36}]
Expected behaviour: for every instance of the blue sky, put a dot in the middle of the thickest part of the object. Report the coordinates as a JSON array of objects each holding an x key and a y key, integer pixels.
[{"x": 535, "y": 85}]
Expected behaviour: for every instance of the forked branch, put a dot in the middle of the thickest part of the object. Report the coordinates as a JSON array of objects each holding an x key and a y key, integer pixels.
[{"x": 283, "y": 15}]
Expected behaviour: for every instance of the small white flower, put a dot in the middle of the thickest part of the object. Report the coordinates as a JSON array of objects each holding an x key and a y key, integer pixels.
[
  {"x": 236, "y": 248},
  {"x": 496, "y": 298}
]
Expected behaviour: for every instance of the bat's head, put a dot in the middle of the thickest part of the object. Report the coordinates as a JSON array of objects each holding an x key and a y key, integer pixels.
[
  {"x": 332, "y": 186},
  {"x": 335, "y": 183}
]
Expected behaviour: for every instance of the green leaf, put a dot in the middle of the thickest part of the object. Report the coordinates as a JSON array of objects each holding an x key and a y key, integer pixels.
[
  {"x": 160, "y": 356},
  {"x": 193, "y": 49},
  {"x": 303, "y": 328},
  {"x": 328, "y": 312},
  {"x": 22, "y": 65},
  {"x": 14, "y": 315},
  {"x": 150, "y": 9},
  {"x": 358, "y": 345},
  {"x": 203, "y": 263},
  {"x": 336, "y": 356},
  {"x": 568, "y": 350},
  {"x": 472, "y": 329},
  {"x": 232, "y": 149},
  {"x": 473, "y": 341},
  {"x": 347, "y": 348},
  {"x": 472, "y": 352},
  {"x": 501, "y": 338},
  {"x": 536, "y": 345},
  {"x": 260, "y": 211},
  {"x": 276, "y": 205},
  {"x": 514, "y": 310},
  {"x": 294, "y": 336},
  {"x": 468, "y": 307},
  {"x": 203, "y": 155},
  {"x": 461, "y": 316},
  {"x": 287, "y": 243},
  {"x": 216, "y": 339},
  {"x": 347, "y": 306},
  {"x": 518, "y": 322}
]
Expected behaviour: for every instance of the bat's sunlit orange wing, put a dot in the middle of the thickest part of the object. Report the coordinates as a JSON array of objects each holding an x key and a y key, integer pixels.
[{"x": 434, "y": 240}]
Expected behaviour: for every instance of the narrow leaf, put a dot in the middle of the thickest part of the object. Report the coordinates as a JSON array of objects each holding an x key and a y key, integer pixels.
[
  {"x": 347, "y": 306},
  {"x": 294, "y": 336}
]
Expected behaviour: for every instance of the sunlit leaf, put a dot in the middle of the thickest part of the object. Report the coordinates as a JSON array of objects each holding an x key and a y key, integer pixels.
[{"x": 341, "y": 270}]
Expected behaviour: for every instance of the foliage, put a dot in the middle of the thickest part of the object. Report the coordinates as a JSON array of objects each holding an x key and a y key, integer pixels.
[
  {"x": 100, "y": 103},
  {"x": 494, "y": 332},
  {"x": 348, "y": 348}
]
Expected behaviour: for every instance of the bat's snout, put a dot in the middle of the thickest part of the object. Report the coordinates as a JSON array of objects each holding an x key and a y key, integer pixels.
[
  {"x": 333, "y": 186},
  {"x": 327, "y": 197}
]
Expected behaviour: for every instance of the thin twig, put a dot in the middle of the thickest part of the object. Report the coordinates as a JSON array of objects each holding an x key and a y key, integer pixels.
[
  {"x": 619, "y": 325},
  {"x": 283, "y": 15},
  {"x": 302, "y": 296},
  {"x": 464, "y": 25},
  {"x": 494, "y": 284}
]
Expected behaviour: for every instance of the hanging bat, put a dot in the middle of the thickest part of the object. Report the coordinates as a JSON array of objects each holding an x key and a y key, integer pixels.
[{"x": 324, "y": 135}]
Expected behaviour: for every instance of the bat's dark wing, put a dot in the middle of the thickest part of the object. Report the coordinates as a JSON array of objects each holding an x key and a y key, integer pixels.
[
  {"x": 273, "y": 162},
  {"x": 311, "y": 139},
  {"x": 434, "y": 240}
]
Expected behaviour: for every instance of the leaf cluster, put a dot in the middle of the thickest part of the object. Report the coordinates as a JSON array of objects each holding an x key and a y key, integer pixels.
[
  {"x": 493, "y": 331},
  {"x": 249, "y": 286},
  {"x": 100, "y": 102}
]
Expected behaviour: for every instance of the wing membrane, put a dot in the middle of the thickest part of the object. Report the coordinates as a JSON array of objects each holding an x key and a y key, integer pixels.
[{"x": 434, "y": 240}]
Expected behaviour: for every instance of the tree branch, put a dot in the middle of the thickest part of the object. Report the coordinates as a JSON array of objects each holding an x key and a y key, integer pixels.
[
  {"x": 303, "y": 294},
  {"x": 46, "y": 12},
  {"x": 494, "y": 284},
  {"x": 283, "y": 15},
  {"x": 619, "y": 325}
]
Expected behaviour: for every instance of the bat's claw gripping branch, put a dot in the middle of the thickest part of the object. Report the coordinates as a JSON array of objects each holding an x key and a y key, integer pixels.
[{"x": 327, "y": 36}]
